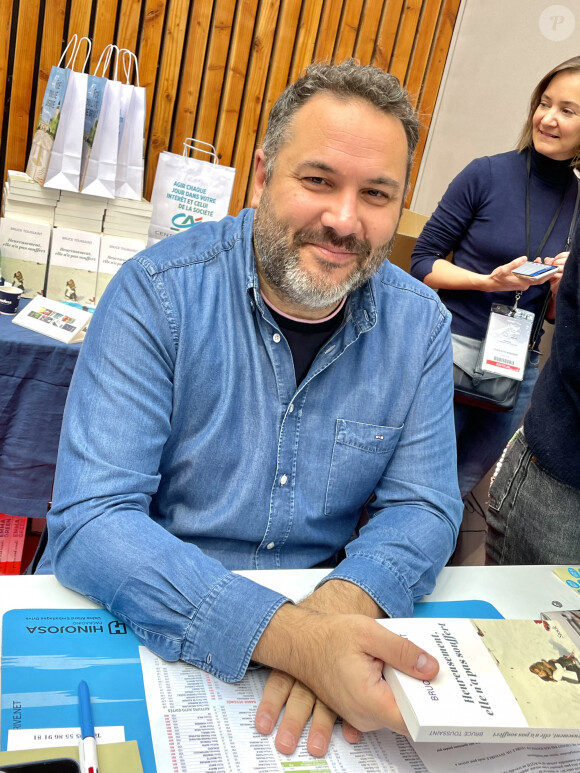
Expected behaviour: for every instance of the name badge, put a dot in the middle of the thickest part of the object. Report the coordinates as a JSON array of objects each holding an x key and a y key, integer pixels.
[{"x": 505, "y": 348}]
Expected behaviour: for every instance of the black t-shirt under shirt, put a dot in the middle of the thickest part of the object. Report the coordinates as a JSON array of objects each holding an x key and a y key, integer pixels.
[{"x": 305, "y": 339}]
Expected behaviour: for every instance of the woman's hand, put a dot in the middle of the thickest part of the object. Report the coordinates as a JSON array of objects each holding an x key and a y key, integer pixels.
[
  {"x": 502, "y": 279},
  {"x": 559, "y": 261}
]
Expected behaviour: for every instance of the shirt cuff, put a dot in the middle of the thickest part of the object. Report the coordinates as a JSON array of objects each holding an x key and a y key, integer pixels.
[
  {"x": 227, "y": 625},
  {"x": 377, "y": 579}
]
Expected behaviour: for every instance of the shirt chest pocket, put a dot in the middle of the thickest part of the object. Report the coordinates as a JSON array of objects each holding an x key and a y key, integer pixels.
[{"x": 359, "y": 457}]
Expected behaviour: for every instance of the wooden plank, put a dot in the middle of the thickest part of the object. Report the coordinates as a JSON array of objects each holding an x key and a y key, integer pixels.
[
  {"x": 279, "y": 74},
  {"x": 196, "y": 47},
  {"x": 128, "y": 32},
  {"x": 426, "y": 33},
  {"x": 434, "y": 72},
  {"x": 227, "y": 122},
  {"x": 347, "y": 31},
  {"x": 282, "y": 54},
  {"x": 22, "y": 80},
  {"x": 215, "y": 65},
  {"x": 79, "y": 21},
  {"x": 367, "y": 32},
  {"x": 5, "y": 26},
  {"x": 104, "y": 29},
  {"x": 167, "y": 87},
  {"x": 51, "y": 47},
  {"x": 328, "y": 30},
  {"x": 385, "y": 46},
  {"x": 304, "y": 43},
  {"x": 405, "y": 39},
  {"x": 252, "y": 104},
  {"x": 149, "y": 55}
]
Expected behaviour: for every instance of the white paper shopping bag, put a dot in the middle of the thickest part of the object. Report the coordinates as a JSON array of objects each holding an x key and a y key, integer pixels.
[
  {"x": 130, "y": 159},
  {"x": 100, "y": 169},
  {"x": 64, "y": 163},
  {"x": 50, "y": 112},
  {"x": 187, "y": 191}
]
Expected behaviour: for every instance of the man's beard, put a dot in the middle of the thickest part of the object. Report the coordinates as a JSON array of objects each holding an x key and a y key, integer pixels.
[{"x": 279, "y": 259}]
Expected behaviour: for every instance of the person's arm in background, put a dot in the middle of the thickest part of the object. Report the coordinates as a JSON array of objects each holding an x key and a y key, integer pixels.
[
  {"x": 412, "y": 529},
  {"x": 446, "y": 228}
]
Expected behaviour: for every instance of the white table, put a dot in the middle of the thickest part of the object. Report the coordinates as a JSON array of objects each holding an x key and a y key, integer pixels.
[{"x": 515, "y": 591}]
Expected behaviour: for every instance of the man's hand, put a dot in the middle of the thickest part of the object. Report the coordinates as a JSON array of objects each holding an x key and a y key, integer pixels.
[
  {"x": 283, "y": 691},
  {"x": 340, "y": 659}
]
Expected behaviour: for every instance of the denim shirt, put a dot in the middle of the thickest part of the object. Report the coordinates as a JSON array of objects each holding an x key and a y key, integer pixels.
[{"x": 187, "y": 450}]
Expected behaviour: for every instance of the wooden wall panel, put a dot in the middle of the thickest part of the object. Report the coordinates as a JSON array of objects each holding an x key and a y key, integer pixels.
[
  {"x": 347, "y": 30},
  {"x": 5, "y": 27},
  {"x": 51, "y": 48},
  {"x": 213, "y": 68},
  {"x": 23, "y": 80},
  {"x": 192, "y": 74}
]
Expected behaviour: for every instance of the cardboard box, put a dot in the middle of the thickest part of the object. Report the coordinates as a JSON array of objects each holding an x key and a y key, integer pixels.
[{"x": 410, "y": 226}]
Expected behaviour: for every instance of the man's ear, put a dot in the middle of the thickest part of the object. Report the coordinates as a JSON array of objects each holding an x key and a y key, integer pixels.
[{"x": 259, "y": 177}]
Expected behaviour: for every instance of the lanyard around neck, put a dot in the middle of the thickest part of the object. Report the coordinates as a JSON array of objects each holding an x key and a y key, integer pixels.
[{"x": 554, "y": 219}]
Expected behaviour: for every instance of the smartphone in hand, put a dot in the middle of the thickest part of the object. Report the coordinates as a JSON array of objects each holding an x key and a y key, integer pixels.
[{"x": 534, "y": 271}]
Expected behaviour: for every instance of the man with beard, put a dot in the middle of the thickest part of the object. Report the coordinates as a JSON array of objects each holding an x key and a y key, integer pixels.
[{"x": 246, "y": 392}]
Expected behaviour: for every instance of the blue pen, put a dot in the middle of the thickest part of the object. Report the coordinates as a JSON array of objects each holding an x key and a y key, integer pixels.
[{"x": 87, "y": 744}]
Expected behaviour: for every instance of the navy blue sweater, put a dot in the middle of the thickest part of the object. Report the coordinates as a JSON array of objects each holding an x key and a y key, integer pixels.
[
  {"x": 552, "y": 423},
  {"x": 481, "y": 219}
]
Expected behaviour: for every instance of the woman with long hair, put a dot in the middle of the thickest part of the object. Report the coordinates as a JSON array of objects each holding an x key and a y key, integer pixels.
[{"x": 497, "y": 213}]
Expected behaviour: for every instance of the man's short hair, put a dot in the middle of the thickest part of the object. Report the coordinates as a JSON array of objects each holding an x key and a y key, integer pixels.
[{"x": 348, "y": 80}]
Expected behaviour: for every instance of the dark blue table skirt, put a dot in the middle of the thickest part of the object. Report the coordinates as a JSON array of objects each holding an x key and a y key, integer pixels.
[{"x": 35, "y": 372}]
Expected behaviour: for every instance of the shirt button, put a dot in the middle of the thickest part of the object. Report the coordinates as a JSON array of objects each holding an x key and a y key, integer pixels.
[
  {"x": 276, "y": 338},
  {"x": 290, "y": 407},
  {"x": 283, "y": 480},
  {"x": 270, "y": 545}
]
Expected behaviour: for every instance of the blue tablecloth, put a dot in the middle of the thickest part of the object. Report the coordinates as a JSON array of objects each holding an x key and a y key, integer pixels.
[{"x": 35, "y": 372}]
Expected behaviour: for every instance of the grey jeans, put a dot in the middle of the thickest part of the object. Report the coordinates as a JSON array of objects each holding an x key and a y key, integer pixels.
[{"x": 532, "y": 518}]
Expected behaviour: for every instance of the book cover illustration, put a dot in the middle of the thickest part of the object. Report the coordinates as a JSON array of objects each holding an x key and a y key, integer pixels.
[
  {"x": 24, "y": 248},
  {"x": 499, "y": 680},
  {"x": 72, "y": 270},
  {"x": 46, "y": 653}
]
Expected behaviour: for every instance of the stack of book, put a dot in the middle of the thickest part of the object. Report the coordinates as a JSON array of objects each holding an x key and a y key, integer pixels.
[
  {"x": 127, "y": 218},
  {"x": 80, "y": 212},
  {"x": 25, "y": 199}
]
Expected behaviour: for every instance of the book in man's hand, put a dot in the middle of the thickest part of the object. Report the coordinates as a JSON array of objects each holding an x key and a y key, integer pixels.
[{"x": 500, "y": 681}]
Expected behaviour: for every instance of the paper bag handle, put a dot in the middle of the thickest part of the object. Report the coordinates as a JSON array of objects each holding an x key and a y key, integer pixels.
[
  {"x": 72, "y": 42},
  {"x": 107, "y": 52},
  {"x": 128, "y": 56},
  {"x": 75, "y": 42},
  {"x": 89, "y": 46},
  {"x": 191, "y": 144}
]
